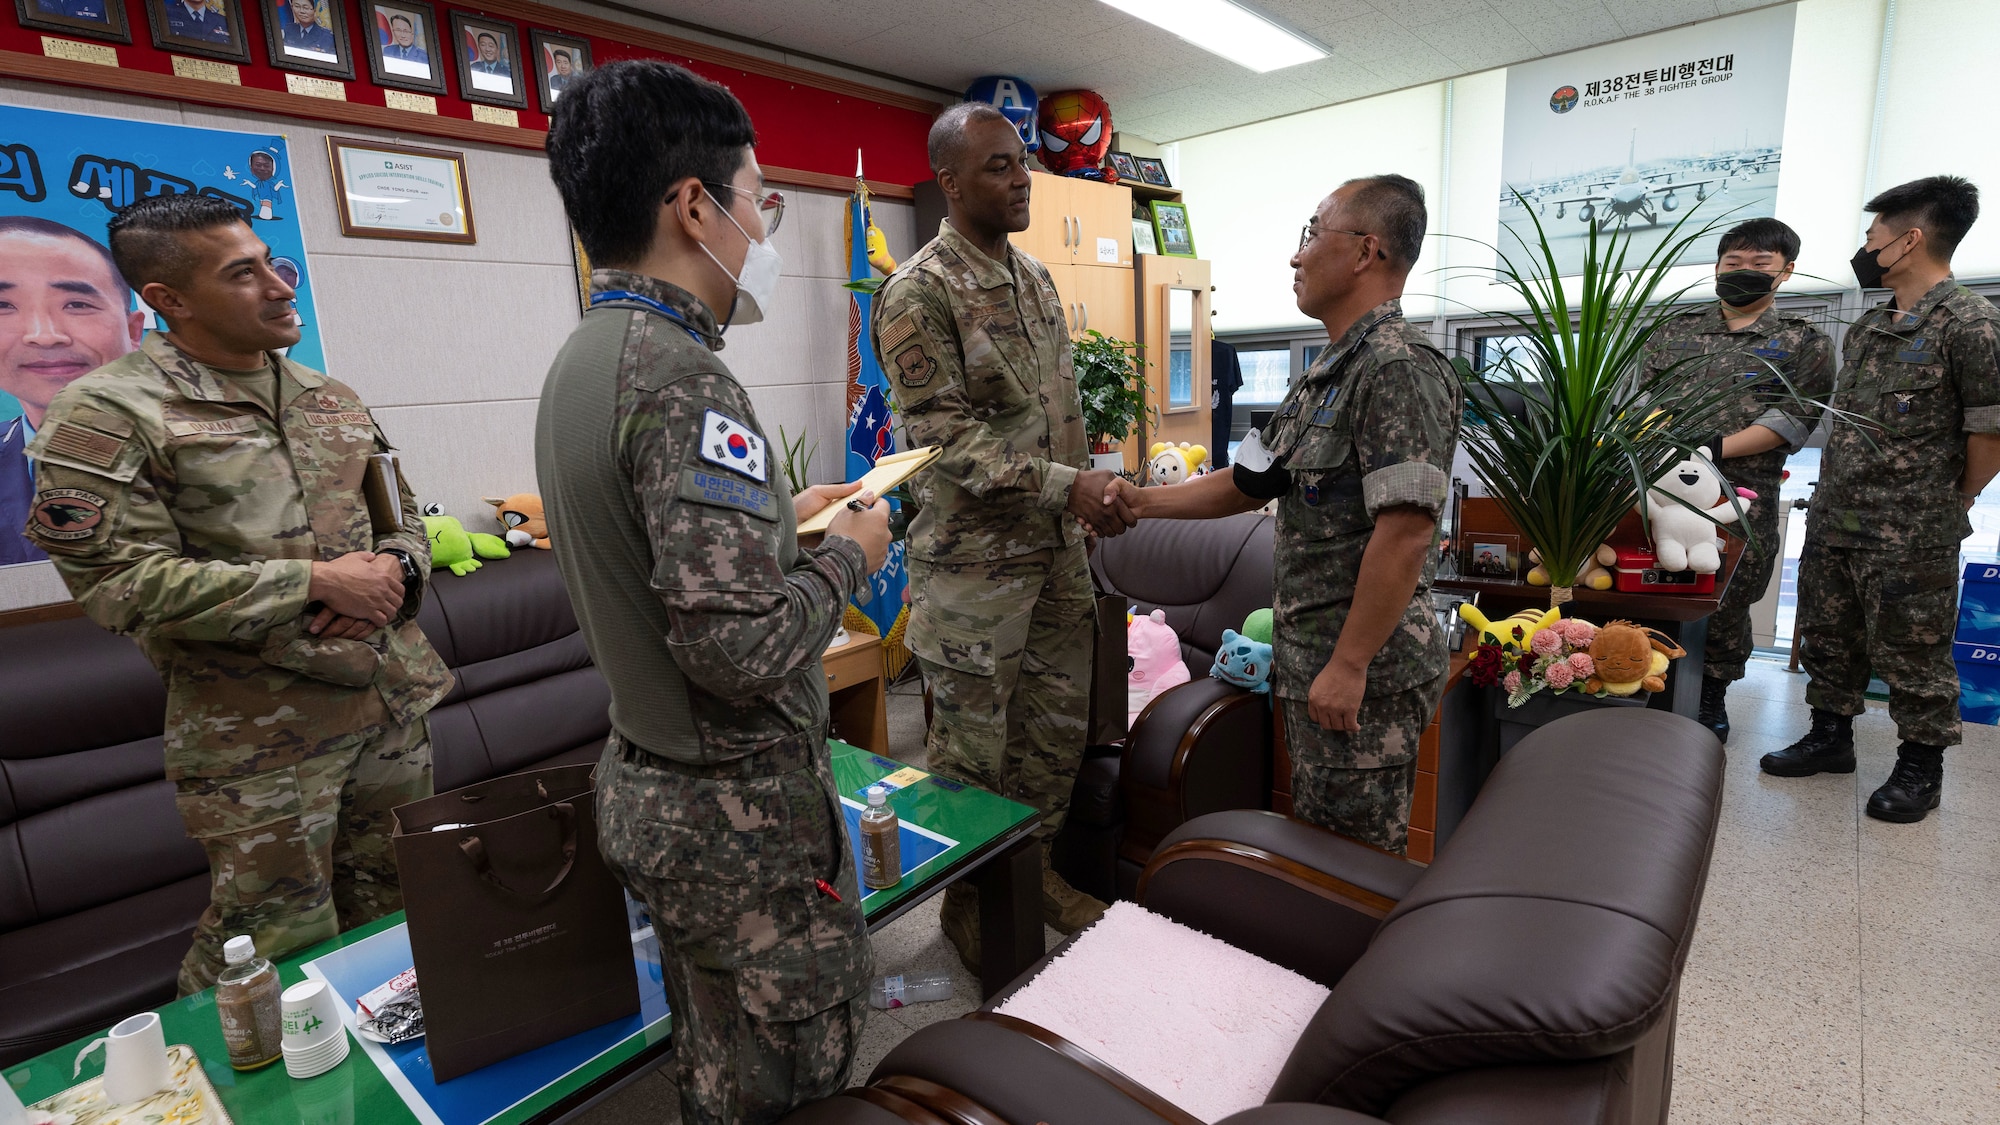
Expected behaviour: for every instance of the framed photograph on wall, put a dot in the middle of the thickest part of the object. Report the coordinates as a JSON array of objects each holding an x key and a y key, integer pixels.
[
  {"x": 558, "y": 60},
  {"x": 210, "y": 28},
  {"x": 387, "y": 190},
  {"x": 92, "y": 19},
  {"x": 488, "y": 56},
  {"x": 1171, "y": 230},
  {"x": 1123, "y": 164},
  {"x": 404, "y": 48},
  {"x": 1152, "y": 171},
  {"x": 309, "y": 36}
]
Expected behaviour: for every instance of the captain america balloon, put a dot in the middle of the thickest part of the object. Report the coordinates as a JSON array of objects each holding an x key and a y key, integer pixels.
[
  {"x": 1076, "y": 133},
  {"x": 1012, "y": 97}
]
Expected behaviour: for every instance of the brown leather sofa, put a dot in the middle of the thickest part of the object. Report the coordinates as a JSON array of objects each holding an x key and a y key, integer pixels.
[
  {"x": 99, "y": 885},
  {"x": 1201, "y": 747},
  {"x": 1530, "y": 974}
]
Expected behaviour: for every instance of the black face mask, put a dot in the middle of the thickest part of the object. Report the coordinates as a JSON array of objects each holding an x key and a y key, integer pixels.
[
  {"x": 1744, "y": 287},
  {"x": 1868, "y": 267}
]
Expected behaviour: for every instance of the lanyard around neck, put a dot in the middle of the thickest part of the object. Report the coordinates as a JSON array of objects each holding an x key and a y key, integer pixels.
[{"x": 626, "y": 296}]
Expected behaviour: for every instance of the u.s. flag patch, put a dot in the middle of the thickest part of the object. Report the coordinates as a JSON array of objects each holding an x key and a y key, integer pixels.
[{"x": 733, "y": 445}]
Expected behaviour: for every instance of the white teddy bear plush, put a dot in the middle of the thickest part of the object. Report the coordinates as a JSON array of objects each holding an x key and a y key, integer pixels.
[
  {"x": 1172, "y": 464},
  {"x": 1683, "y": 539}
]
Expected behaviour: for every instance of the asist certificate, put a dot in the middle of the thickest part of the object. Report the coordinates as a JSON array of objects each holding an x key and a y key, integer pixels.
[{"x": 402, "y": 192}]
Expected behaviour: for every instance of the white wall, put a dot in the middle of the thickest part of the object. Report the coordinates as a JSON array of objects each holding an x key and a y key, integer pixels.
[
  {"x": 1249, "y": 189},
  {"x": 448, "y": 344}
]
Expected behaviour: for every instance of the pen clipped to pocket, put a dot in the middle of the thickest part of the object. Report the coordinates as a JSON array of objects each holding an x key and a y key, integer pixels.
[{"x": 382, "y": 488}]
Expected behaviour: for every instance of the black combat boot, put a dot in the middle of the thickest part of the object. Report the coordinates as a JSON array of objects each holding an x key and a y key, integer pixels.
[
  {"x": 1714, "y": 715},
  {"x": 1913, "y": 786},
  {"x": 1827, "y": 748}
]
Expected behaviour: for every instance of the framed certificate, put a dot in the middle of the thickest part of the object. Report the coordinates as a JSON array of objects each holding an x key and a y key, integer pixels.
[{"x": 397, "y": 191}]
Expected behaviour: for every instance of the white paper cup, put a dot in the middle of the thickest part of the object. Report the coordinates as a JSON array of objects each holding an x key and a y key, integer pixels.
[
  {"x": 308, "y": 1015},
  {"x": 135, "y": 1059},
  {"x": 315, "y": 1061}
]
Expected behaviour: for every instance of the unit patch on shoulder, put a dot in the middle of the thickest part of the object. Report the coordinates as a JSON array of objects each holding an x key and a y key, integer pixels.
[
  {"x": 80, "y": 443},
  {"x": 907, "y": 350},
  {"x": 734, "y": 446},
  {"x": 67, "y": 513},
  {"x": 725, "y": 491}
]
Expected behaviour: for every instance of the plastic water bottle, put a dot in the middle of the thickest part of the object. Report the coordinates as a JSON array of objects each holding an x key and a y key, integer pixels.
[{"x": 896, "y": 991}]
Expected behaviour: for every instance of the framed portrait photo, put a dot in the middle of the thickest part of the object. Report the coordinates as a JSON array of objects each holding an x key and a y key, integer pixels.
[
  {"x": 404, "y": 48},
  {"x": 309, "y": 36},
  {"x": 1126, "y": 167},
  {"x": 92, "y": 19},
  {"x": 211, "y": 28},
  {"x": 488, "y": 56},
  {"x": 1171, "y": 230},
  {"x": 398, "y": 191},
  {"x": 558, "y": 60},
  {"x": 1152, "y": 171}
]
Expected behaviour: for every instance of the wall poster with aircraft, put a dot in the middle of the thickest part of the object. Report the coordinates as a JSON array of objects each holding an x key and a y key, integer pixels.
[{"x": 1636, "y": 133}]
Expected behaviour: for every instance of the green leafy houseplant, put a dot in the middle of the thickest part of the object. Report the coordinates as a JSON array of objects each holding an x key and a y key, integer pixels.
[
  {"x": 1108, "y": 377},
  {"x": 1563, "y": 436}
]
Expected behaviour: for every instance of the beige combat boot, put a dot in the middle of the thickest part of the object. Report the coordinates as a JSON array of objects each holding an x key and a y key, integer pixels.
[
  {"x": 959, "y": 919},
  {"x": 1064, "y": 908}
]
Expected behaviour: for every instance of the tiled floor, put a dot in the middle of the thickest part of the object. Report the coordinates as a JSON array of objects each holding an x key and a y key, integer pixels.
[{"x": 1846, "y": 970}]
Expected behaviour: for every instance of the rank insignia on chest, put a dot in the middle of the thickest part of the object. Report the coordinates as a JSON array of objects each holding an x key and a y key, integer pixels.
[
  {"x": 733, "y": 445},
  {"x": 1903, "y": 402},
  {"x": 327, "y": 402},
  {"x": 1312, "y": 495}
]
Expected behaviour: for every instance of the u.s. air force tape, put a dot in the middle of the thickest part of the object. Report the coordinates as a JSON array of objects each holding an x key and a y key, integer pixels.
[{"x": 725, "y": 490}]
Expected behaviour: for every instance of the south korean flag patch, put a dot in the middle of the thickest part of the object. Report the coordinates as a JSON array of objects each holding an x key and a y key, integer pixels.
[{"x": 734, "y": 446}]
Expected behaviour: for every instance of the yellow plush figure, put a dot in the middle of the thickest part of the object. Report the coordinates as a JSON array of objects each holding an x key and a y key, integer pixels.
[
  {"x": 1596, "y": 573},
  {"x": 1528, "y": 622},
  {"x": 1171, "y": 464}
]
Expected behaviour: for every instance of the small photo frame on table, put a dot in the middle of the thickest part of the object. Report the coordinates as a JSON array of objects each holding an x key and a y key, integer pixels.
[
  {"x": 92, "y": 19},
  {"x": 1171, "y": 230},
  {"x": 387, "y": 190},
  {"x": 1124, "y": 165},
  {"x": 558, "y": 60},
  {"x": 210, "y": 28},
  {"x": 488, "y": 56},
  {"x": 404, "y": 48},
  {"x": 1152, "y": 171},
  {"x": 309, "y": 36},
  {"x": 1142, "y": 237},
  {"x": 1493, "y": 556}
]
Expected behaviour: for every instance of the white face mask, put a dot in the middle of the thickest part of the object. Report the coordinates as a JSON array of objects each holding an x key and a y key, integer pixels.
[{"x": 757, "y": 284}]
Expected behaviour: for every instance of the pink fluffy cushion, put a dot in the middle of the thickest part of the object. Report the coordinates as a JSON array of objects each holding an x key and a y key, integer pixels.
[{"x": 1197, "y": 1021}]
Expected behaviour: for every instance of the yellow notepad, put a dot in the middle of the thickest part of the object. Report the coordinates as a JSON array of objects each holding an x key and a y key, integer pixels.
[{"x": 889, "y": 472}]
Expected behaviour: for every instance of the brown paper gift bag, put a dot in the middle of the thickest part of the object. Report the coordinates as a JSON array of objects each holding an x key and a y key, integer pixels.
[{"x": 517, "y": 927}]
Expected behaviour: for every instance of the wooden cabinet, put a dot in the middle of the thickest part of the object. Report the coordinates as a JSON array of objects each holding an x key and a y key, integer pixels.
[
  {"x": 1078, "y": 222},
  {"x": 1104, "y": 297}
]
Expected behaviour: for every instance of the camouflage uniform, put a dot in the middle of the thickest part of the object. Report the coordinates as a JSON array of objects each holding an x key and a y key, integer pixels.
[
  {"x": 179, "y": 511},
  {"x": 1878, "y": 577},
  {"x": 716, "y": 804},
  {"x": 978, "y": 354},
  {"x": 1375, "y": 431},
  {"x": 1792, "y": 346}
]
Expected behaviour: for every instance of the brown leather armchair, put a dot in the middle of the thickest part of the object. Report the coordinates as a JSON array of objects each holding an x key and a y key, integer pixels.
[
  {"x": 1201, "y": 747},
  {"x": 1530, "y": 974}
]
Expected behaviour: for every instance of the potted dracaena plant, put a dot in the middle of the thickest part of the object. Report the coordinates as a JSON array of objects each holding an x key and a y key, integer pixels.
[
  {"x": 1564, "y": 432},
  {"x": 1108, "y": 379}
]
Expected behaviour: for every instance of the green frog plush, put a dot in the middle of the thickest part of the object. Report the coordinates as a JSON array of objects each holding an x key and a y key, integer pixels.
[{"x": 459, "y": 550}]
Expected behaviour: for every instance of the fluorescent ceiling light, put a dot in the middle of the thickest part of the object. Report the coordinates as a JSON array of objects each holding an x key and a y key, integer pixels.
[{"x": 1237, "y": 34}]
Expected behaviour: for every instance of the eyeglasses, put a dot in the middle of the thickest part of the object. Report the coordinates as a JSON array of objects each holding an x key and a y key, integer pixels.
[
  {"x": 1312, "y": 230},
  {"x": 770, "y": 205}
]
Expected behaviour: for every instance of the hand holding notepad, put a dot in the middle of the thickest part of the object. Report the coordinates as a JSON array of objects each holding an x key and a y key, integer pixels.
[{"x": 889, "y": 472}]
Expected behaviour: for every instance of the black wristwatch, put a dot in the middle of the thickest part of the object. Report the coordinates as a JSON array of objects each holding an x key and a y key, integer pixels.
[{"x": 412, "y": 579}]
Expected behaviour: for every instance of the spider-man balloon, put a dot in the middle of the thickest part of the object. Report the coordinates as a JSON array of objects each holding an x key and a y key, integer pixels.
[
  {"x": 1012, "y": 97},
  {"x": 1076, "y": 133}
]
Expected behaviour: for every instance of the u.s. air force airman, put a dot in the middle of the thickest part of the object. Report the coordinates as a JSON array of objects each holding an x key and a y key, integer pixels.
[
  {"x": 678, "y": 542},
  {"x": 204, "y": 495},
  {"x": 972, "y": 335}
]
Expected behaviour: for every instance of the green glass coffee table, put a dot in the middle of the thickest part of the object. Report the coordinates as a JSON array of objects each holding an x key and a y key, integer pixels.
[{"x": 993, "y": 846}]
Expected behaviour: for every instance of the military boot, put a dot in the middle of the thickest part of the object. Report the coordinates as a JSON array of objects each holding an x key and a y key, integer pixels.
[
  {"x": 1065, "y": 908},
  {"x": 1914, "y": 786},
  {"x": 959, "y": 919},
  {"x": 1827, "y": 748},
  {"x": 1714, "y": 715}
]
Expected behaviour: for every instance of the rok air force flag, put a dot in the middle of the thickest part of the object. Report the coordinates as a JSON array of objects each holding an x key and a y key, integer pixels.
[{"x": 868, "y": 419}]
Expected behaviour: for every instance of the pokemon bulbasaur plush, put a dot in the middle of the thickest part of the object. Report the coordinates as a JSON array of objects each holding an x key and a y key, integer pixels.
[{"x": 1243, "y": 661}]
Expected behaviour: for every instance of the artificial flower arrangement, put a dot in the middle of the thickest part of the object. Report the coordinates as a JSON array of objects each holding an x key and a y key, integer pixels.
[{"x": 1537, "y": 650}]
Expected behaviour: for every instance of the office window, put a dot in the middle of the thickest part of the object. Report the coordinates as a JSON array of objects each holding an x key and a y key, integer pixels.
[{"x": 1267, "y": 372}]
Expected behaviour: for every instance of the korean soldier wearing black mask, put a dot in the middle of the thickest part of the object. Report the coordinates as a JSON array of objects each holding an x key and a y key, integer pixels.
[{"x": 1783, "y": 367}]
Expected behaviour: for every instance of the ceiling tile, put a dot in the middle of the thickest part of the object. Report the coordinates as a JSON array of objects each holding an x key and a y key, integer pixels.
[
  {"x": 1307, "y": 15},
  {"x": 1518, "y": 12},
  {"x": 1579, "y": 30},
  {"x": 1477, "y": 42},
  {"x": 1638, "y": 17}
]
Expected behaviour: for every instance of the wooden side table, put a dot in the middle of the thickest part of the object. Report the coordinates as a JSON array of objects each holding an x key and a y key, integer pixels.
[{"x": 856, "y": 695}]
